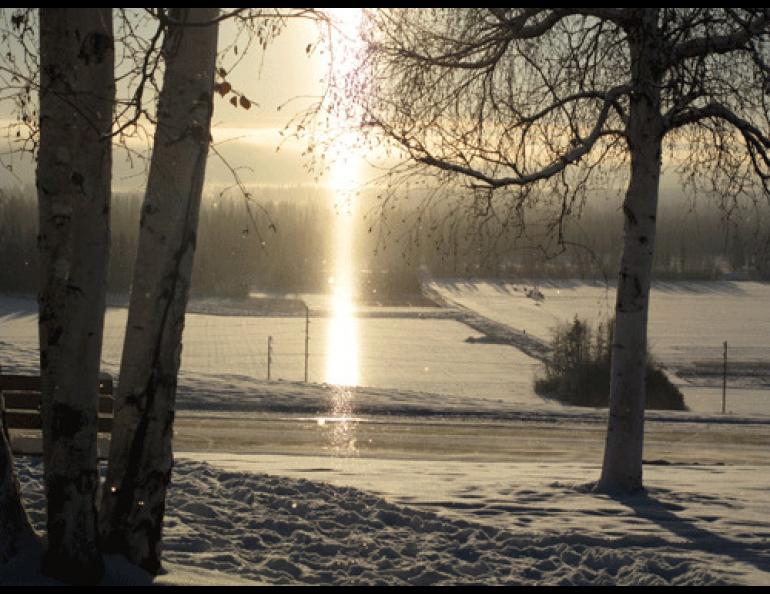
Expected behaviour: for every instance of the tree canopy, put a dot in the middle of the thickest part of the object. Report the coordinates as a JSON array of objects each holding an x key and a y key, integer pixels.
[{"x": 517, "y": 99}]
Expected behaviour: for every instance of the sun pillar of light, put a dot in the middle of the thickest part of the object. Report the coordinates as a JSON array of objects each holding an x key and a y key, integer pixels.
[
  {"x": 342, "y": 360},
  {"x": 342, "y": 366}
]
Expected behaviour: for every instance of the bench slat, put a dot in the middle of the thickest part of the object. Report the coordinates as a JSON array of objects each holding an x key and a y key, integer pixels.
[
  {"x": 32, "y": 401},
  {"x": 21, "y": 419},
  {"x": 32, "y": 383}
]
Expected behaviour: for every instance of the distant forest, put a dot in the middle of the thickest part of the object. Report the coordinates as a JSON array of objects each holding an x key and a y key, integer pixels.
[{"x": 239, "y": 251}]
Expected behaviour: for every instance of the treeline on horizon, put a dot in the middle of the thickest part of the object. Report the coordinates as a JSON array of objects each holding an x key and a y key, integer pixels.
[{"x": 283, "y": 244}]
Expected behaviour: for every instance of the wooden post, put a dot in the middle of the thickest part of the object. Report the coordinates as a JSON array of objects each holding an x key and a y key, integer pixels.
[
  {"x": 269, "y": 355},
  {"x": 724, "y": 380},
  {"x": 307, "y": 338}
]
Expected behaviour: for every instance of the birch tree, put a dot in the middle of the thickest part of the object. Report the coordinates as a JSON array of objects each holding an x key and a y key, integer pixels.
[
  {"x": 520, "y": 105},
  {"x": 140, "y": 458},
  {"x": 73, "y": 182},
  {"x": 74, "y": 243}
]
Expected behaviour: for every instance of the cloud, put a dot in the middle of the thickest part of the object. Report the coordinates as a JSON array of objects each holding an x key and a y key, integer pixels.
[{"x": 266, "y": 137}]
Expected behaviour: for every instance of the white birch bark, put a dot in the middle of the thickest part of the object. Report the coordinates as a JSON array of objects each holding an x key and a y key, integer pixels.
[
  {"x": 73, "y": 182},
  {"x": 140, "y": 462},
  {"x": 622, "y": 467}
]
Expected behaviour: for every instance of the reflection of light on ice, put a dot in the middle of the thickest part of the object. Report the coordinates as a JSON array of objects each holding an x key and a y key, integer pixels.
[{"x": 341, "y": 424}]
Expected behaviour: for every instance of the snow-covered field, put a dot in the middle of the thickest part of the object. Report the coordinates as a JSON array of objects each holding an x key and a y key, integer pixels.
[
  {"x": 689, "y": 321},
  {"x": 687, "y": 318},
  {"x": 418, "y": 353},
  {"x": 423, "y": 350}
]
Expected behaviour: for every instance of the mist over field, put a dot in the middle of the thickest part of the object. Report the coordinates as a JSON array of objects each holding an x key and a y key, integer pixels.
[{"x": 280, "y": 240}]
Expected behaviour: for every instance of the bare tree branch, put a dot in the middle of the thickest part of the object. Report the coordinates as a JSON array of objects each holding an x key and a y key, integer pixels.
[
  {"x": 717, "y": 110},
  {"x": 720, "y": 44}
]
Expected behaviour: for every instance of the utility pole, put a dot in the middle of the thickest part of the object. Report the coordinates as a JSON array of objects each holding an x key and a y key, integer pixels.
[
  {"x": 724, "y": 380},
  {"x": 269, "y": 355},
  {"x": 307, "y": 338}
]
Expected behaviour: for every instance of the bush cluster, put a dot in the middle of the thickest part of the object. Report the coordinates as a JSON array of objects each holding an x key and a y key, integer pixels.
[{"x": 578, "y": 372}]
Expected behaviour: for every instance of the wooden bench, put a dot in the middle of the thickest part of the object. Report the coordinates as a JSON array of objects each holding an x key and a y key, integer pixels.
[{"x": 20, "y": 402}]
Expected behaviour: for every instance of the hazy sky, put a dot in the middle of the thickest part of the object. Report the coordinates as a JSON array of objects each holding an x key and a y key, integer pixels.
[
  {"x": 283, "y": 75},
  {"x": 248, "y": 139}
]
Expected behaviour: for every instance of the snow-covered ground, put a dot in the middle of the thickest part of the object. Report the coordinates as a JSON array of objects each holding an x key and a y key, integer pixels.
[
  {"x": 504, "y": 524},
  {"x": 454, "y": 474},
  {"x": 689, "y": 321}
]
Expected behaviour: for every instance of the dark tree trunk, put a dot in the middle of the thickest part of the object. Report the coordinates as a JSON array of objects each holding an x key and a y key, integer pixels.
[{"x": 77, "y": 94}]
